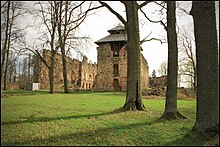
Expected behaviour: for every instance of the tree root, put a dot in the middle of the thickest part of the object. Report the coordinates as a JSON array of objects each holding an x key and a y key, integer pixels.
[{"x": 172, "y": 115}]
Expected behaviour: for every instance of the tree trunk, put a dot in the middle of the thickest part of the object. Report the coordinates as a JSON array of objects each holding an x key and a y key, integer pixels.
[
  {"x": 5, "y": 43},
  {"x": 133, "y": 91},
  {"x": 171, "y": 93},
  {"x": 66, "y": 89},
  {"x": 207, "y": 104},
  {"x": 29, "y": 68},
  {"x": 7, "y": 52},
  {"x": 51, "y": 71},
  {"x": 6, "y": 65},
  {"x": 195, "y": 79},
  {"x": 62, "y": 41}
]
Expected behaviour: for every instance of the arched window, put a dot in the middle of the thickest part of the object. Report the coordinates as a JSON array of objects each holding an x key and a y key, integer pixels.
[{"x": 116, "y": 85}]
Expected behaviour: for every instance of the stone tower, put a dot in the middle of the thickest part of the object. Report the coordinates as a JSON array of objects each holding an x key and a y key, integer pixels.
[{"x": 112, "y": 62}]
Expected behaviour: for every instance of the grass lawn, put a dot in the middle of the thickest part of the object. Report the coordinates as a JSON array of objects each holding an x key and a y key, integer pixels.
[{"x": 88, "y": 118}]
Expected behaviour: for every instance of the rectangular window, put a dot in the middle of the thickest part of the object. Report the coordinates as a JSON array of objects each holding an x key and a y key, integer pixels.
[{"x": 116, "y": 73}]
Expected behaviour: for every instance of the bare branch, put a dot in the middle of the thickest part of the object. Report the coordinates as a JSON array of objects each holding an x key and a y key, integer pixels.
[
  {"x": 143, "y": 4},
  {"x": 163, "y": 6},
  {"x": 160, "y": 21},
  {"x": 182, "y": 9},
  {"x": 113, "y": 11},
  {"x": 145, "y": 40}
]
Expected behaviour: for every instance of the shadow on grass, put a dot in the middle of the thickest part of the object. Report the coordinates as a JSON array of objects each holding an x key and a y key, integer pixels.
[
  {"x": 32, "y": 119},
  {"x": 100, "y": 136},
  {"x": 193, "y": 138}
]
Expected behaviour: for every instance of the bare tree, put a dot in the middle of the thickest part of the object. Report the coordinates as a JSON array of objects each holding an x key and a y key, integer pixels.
[
  {"x": 171, "y": 111},
  {"x": 48, "y": 12},
  {"x": 4, "y": 50},
  {"x": 70, "y": 16},
  {"x": 133, "y": 91},
  {"x": 163, "y": 68},
  {"x": 187, "y": 61},
  {"x": 12, "y": 71},
  {"x": 23, "y": 72},
  {"x": 15, "y": 10}
]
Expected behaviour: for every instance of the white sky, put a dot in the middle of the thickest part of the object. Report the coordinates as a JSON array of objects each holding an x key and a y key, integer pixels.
[
  {"x": 96, "y": 26},
  {"x": 155, "y": 53}
]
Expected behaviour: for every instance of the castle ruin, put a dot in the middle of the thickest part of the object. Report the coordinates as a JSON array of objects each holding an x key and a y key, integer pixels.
[
  {"x": 79, "y": 73},
  {"x": 112, "y": 62},
  {"x": 110, "y": 72}
]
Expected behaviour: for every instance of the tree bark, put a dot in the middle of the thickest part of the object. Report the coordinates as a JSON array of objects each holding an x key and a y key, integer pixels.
[
  {"x": 133, "y": 91},
  {"x": 171, "y": 93},
  {"x": 207, "y": 94},
  {"x": 7, "y": 55},
  {"x": 5, "y": 43},
  {"x": 51, "y": 71},
  {"x": 66, "y": 89},
  {"x": 62, "y": 40}
]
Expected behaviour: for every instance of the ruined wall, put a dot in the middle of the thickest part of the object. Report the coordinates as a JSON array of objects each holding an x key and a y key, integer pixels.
[
  {"x": 122, "y": 68},
  {"x": 88, "y": 73},
  {"x": 75, "y": 69},
  {"x": 106, "y": 79},
  {"x": 98, "y": 77},
  {"x": 144, "y": 72}
]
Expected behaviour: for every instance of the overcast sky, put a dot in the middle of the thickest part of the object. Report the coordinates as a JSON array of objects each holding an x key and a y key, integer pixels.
[
  {"x": 155, "y": 53},
  {"x": 96, "y": 26}
]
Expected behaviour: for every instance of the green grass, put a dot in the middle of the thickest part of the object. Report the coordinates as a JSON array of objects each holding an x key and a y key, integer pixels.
[{"x": 89, "y": 119}]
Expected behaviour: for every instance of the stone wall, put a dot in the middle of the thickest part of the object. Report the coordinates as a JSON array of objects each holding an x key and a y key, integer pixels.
[
  {"x": 78, "y": 73},
  {"x": 88, "y": 73},
  {"x": 144, "y": 72},
  {"x": 98, "y": 77},
  {"x": 106, "y": 79}
]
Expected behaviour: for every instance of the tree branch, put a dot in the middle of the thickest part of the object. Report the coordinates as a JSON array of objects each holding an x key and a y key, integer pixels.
[
  {"x": 145, "y": 39},
  {"x": 143, "y": 4},
  {"x": 114, "y": 12},
  {"x": 160, "y": 21}
]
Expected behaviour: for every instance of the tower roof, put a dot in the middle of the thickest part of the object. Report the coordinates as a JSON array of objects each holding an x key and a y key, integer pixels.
[
  {"x": 119, "y": 27},
  {"x": 114, "y": 37}
]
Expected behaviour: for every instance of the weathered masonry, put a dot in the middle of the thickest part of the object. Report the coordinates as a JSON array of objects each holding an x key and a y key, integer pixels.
[
  {"x": 81, "y": 74},
  {"x": 112, "y": 62},
  {"x": 109, "y": 74}
]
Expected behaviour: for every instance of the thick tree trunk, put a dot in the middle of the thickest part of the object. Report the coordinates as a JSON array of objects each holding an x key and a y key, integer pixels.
[
  {"x": 195, "y": 79},
  {"x": 133, "y": 92},
  {"x": 207, "y": 105},
  {"x": 171, "y": 93}
]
